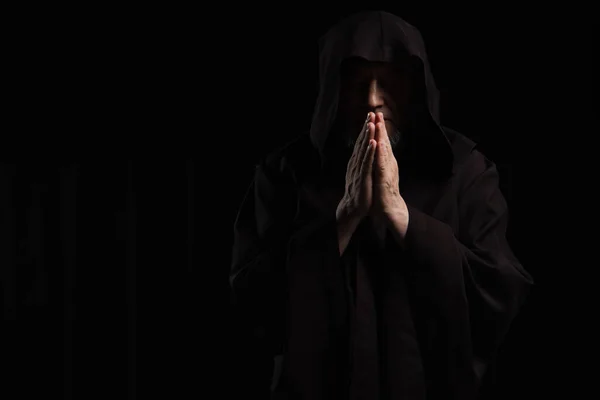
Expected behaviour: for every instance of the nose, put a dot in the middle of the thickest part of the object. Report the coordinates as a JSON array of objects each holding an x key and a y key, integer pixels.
[{"x": 375, "y": 96}]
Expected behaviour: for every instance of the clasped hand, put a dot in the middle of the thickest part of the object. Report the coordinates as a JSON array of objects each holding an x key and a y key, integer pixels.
[{"x": 372, "y": 177}]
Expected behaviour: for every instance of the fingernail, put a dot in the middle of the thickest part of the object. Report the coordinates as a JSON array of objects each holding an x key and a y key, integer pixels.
[{"x": 368, "y": 116}]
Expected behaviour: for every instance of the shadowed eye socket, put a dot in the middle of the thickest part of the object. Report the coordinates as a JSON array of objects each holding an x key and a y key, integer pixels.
[
  {"x": 358, "y": 73},
  {"x": 354, "y": 68},
  {"x": 393, "y": 81}
]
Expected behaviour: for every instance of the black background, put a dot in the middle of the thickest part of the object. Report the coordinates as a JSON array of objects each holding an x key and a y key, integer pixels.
[{"x": 136, "y": 135}]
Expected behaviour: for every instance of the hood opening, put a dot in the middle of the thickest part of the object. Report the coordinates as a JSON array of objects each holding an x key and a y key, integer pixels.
[{"x": 381, "y": 36}]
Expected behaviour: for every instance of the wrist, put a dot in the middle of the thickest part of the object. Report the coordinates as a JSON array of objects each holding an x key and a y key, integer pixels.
[
  {"x": 347, "y": 222},
  {"x": 347, "y": 215},
  {"x": 398, "y": 220}
]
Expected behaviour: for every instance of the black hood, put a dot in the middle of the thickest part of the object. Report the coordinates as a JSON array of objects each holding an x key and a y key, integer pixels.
[{"x": 381, "y": 36}]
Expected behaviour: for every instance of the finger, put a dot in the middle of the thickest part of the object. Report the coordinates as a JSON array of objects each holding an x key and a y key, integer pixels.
[
  {"x": 384, "y": 127},
  {"x": 380, "y": 119},
  {"x": 355, "y": 162},
  {"x": 367, "y": 162},
  {"x": 370, "y": 118},
  {"x": 381, "y": 156},
  {"x": 364, "y": 140},
  {"x": 379, "y": 132},
  {"x": 382, "y": 135},
  {"x": 369, "y": 134},
  {"x": 359, "y": 144}
]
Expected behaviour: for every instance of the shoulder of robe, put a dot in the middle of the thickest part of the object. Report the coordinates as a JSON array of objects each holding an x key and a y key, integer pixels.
[
  {"x": 469, "y": 161},
  {"x": 290, "y": 159}
]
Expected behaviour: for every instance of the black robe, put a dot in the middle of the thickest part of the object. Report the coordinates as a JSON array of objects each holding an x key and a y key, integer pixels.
[{"x": 383, "y": 321}]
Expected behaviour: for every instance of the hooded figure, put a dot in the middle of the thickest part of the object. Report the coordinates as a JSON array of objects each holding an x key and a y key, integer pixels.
[{"x": 417, "y": 319}]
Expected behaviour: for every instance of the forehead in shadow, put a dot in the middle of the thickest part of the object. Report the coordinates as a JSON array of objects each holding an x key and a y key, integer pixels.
[{"x": 358, "y": 67}]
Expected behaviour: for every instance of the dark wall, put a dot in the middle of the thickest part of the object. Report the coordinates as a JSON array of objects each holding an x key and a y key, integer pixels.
[{"x": 139, "y": 130}]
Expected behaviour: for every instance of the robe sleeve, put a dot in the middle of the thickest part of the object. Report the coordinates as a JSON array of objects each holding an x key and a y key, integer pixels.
[
  {"x": 256, "y": 277},
  {"x": 471, "y": 277},
  {"x": 285, "y": 278},
  {"x": 261, "y": 233},
  {"x": 267, "y": 248}
]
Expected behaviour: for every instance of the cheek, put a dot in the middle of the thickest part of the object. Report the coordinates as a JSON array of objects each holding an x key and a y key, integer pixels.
[
  {"x": 400, "y": 92},
  {"x": 401, "y": 97}
]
